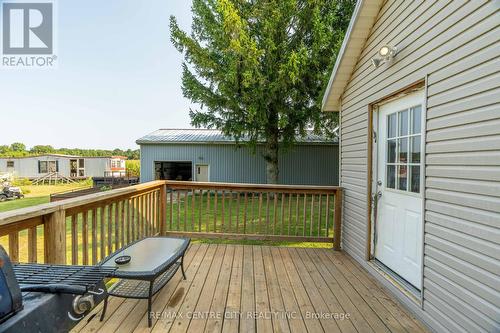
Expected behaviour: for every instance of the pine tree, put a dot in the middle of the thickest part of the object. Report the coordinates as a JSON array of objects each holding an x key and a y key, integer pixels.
[{"x": 258, "y": 69}]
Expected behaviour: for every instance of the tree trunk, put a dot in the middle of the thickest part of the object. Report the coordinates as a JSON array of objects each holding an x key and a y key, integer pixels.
[{"x": 271, "y": 157}]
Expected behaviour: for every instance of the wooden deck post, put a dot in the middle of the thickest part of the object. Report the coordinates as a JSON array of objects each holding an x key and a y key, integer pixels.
[
  {"x": 163, "y": 209},
  {"x": 55, "y": 237},
  {"x": 337, "y": 223}
]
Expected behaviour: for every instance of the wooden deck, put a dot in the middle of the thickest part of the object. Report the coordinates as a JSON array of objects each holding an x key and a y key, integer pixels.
[{"x": 232, "y": 288}]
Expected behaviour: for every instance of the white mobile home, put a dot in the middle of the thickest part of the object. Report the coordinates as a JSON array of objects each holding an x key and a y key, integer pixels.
[
  {"x": 417, "y": 86},
  {"x": 76, "y": 167}
]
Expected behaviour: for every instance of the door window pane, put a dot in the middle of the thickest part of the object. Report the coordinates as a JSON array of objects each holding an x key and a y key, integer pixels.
[
  {"x": 403, "y": 150},
  {"x": 391, "y": 176},
  {"x": 391, "y": 125},
  {"x": 402, "y": 177},
  {"x": 391, "y": 151},
  {"x": 415, "y": 179},
  {"x": 415, "y": 149},
  {"x": 403, "y": 122},
  {"x": 416, "y": 119}
]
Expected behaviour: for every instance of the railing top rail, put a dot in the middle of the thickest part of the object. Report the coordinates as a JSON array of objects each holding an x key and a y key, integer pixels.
[
  {"x": 249, "y": 187},
  {"x": 44, "y": 209}
]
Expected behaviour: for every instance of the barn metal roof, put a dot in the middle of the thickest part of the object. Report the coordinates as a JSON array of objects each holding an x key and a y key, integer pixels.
[{"x": 208, "y": 136}]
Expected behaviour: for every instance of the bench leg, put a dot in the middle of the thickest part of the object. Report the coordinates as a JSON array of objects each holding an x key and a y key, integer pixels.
[
  {"x": 104, "y": 308},
  {"x": 149, "y": 303},
  {"x": 182, "y": 267}
]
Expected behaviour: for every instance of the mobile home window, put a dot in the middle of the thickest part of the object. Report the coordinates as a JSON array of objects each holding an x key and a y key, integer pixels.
[
  {"x": 48, "y": 166},
  {"x": 10, "y": 164}
]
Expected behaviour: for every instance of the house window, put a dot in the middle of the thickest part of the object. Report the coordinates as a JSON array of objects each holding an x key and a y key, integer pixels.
[
  {"x": 403, "y": 150},
  {"x": 81, "y": 163},
  {"x": 10, "y": 164}
]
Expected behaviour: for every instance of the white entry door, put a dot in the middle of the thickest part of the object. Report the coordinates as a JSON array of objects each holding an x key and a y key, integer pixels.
[
  {"x": 202, "y": 173},
  {"x": 398, "y": 224}
]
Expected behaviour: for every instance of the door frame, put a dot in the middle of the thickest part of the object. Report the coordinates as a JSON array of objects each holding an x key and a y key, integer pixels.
[
  {"x": 202, "y": 164},
  {"x": 371, "y": 181}
]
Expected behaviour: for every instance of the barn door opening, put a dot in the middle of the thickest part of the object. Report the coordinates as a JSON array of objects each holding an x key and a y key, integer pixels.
[{"x": 169, "y": 170}]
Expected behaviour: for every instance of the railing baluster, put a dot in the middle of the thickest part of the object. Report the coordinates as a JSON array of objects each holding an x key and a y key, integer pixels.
[
  {"x": 156, "y": 226},
  {"x": 289, "y": 211},
  {"x": 149, "y": 210},
  {"x": 215, "y": 210},
  {"x": 110, "y": 228},
  {"x": 245, "y": 213},
  {"x": 312, "y": 215},
  {"x": 296, "y": 224},
  {"x": 178, "y": 211},
  {"x": 32, "y": 245},
  {"x": 275, "y": 212},
  {"x": 85, "y": 238},
  {"x": 94, "y": 236},
  {"x": 327, "y": 217},
  {"x": 282, "y": 213},
  {"x": 129, "y": 212},
  {"x": 319, "y": 214},
  {"x": 134, "y": 219},
  {"x": 117, "y": 225},
  {"x": 208, "y": 212},
  {"x": 260, "y": 215},
  {"x": 122, "y": 223},
  {"x": 223, "y": 210},
  {"x": 252, "y": 221},
  {"x": 74, "y": 239},
  {"x": 103, "y": 233},
  {"x": 185, "y": 209},
  {"x": 200, "y": 211},
  {"x": 171, "y": 208},
  {"x": 238, "y": 211},
  {"x": 193, "y": 208},
  {"x": 305, "y": 215},
  {"x": 267, "y": 213},
  {"x": 229, "y": 215}
]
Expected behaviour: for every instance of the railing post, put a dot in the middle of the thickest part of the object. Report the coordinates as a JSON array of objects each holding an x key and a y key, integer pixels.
[
  {"x": 337, "y": 223},
  {"x": 54, "y": 231},
  {"x": 163, "y": 209}
]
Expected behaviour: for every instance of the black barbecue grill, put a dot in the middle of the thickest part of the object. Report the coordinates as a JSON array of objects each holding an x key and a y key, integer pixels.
[
  {"x": 61, "y": 278},
  {"x": 47, "y": 298}
]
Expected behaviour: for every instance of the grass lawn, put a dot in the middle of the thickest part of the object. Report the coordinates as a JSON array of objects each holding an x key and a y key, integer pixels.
[
  {"x": 277, "y": 217},
  {"x": 38, "y": 194}
]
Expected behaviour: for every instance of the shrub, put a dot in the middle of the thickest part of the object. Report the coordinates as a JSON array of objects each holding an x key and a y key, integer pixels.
[
  {"x": 21, "y": 182},
  {"x": 133, "y": 168}
]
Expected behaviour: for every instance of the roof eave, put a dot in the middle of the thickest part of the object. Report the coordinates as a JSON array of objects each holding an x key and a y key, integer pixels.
[{"x": 362, "y": 20}]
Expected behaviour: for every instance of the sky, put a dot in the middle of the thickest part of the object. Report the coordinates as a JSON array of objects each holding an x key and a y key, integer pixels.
[{"x": 118, "y": 77}]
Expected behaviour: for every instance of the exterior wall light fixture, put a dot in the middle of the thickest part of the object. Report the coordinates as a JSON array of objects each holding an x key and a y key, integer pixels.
[{"x": 385, "y": 53}]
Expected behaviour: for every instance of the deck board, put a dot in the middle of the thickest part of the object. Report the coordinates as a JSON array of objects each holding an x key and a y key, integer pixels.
[{"x": 244, "y": 288}]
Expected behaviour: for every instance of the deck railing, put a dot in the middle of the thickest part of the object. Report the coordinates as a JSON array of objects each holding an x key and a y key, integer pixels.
[{"x": 85, "y": 229}]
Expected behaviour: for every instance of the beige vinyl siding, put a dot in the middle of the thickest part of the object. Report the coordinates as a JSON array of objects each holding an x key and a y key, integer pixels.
[{"x": 456, "y": 45}]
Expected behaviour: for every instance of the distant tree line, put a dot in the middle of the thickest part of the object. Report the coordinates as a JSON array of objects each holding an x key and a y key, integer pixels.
[{"x": 18, "y": 149}]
